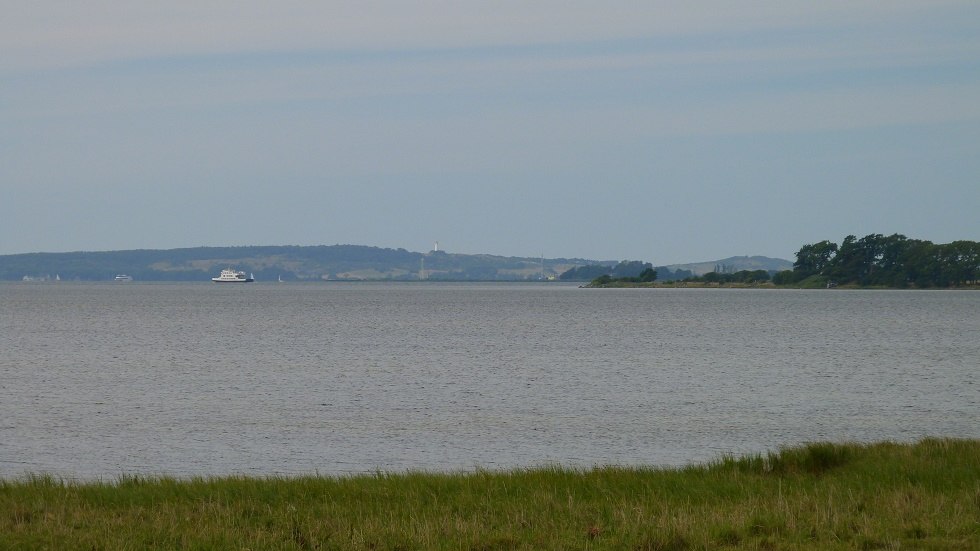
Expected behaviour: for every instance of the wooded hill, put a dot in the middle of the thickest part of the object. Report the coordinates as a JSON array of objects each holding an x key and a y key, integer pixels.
[{"x": 291, "y": 263}]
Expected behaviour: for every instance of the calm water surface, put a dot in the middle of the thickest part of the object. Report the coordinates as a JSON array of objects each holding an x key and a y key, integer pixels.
[{"x": 97, "y": 380}]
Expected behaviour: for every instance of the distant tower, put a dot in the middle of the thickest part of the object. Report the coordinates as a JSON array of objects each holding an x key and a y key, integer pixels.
[{"x": 436, "y": 248}]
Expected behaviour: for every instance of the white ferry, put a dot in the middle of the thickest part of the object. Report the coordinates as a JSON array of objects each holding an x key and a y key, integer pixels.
[
  {"x": 123, "y": 277},
  {"x": 231, "y": 276}
]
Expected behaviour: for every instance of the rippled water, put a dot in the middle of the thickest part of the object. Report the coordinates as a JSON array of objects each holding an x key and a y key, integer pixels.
[{"x": 97, "y": 380}]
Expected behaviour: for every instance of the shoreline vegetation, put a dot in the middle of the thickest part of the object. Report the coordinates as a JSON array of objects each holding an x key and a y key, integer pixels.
[
  {"x": 923, "y": 495},
  {"x": 764, "y": 285},
  {"x": 872, "y": 262}
]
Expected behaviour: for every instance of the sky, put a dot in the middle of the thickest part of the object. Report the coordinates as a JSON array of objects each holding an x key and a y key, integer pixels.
[{"x": 667, "y": 132}]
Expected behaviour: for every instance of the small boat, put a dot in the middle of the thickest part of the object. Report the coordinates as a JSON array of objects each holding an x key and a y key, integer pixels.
[
  {"x": 123, "y": 277},
  {"x": 232, "y": 276}
]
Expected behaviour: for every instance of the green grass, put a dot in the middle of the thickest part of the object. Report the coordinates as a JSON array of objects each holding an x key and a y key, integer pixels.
[{"x": 821, "y": 496}]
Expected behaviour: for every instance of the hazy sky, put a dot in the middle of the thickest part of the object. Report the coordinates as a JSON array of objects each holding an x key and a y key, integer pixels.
[{"x": 660, "y": 131}]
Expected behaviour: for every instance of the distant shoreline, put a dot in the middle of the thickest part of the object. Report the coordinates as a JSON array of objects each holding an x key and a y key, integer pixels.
[{"x": 766, "y": 285}]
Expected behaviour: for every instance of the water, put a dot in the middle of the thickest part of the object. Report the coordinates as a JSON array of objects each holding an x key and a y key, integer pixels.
[{"x": 98, "y": 380}]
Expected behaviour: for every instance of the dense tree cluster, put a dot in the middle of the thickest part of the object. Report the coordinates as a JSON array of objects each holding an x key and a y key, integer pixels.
[
  {"x": 622, "y": 271},
  {"x": 648, "y": 275},
  {"x": 630, "y": 268},
  {"x": 891, "y": 261},
  {"x": 741, "y": 276},
  {"x": 724, "y": 277},
  {"x": 666, "y": 274}
]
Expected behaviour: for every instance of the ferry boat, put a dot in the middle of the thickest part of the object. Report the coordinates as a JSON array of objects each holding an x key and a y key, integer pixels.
[
  {"x": 123, "y": 277},
  {"x": 232, "y": 276}
]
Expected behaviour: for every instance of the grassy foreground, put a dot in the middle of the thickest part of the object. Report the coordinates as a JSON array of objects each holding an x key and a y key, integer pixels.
[{"x": 820, "y": 496}]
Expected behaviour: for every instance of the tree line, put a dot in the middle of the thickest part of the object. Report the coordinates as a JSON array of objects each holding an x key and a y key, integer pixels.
[
  {"x": 635, "y": 271},
  {"x": 890, "y": 261},
  {"x": 624, "y": 269}
]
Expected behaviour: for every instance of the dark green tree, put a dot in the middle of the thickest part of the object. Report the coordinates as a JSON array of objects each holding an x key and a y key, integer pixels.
[
  {"x": 962, "y": 261},
  {"x": 814, "y": 258},
  {"x": 602, "y": 280},
  {"x": 630, "y": 268},
  {"x": 648, "y": 275},
  {"x": 848, "y": 263}
]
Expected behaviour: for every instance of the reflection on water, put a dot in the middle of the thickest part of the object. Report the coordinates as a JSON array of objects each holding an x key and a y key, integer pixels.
[{"x": 101, "y": 379}]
